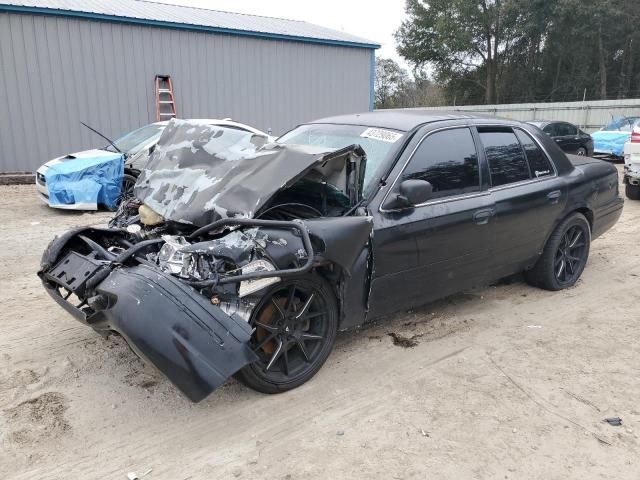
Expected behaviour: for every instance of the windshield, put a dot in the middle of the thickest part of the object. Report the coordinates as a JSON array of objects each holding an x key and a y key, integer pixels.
[
  {"x": 132, "y": 142},
  {"x": 376, "y": 142}
]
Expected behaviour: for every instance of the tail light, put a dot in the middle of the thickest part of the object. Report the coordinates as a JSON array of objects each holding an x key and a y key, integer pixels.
[{"x": 635, "y": 134}]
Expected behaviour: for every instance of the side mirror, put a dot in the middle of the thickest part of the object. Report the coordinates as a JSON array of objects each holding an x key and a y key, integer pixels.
[{"x": 414, "y": 192}]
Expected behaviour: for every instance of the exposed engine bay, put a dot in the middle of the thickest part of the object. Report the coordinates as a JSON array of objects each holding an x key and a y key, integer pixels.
[{"x": 217, "y": 218}]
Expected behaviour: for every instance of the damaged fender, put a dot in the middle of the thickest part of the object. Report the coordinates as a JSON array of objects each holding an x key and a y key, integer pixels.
[{"x": 338, "y": 240}]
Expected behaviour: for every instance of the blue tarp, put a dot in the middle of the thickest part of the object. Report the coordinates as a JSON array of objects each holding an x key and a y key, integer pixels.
[
  {"x": 611, "y": 142},
  {"x": 87, "y": 181}
]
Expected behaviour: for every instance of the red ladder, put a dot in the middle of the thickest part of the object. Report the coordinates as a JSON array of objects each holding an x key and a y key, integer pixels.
[{"x": 165, "y": 103}]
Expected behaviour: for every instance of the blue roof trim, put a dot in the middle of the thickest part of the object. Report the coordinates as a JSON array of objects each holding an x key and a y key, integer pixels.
[
  {"x": 181, "y": 26},
  {"x": 372, "y": 80}
]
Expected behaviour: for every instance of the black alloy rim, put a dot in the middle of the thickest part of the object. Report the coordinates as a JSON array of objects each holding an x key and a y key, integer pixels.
[
  {"x": 571, "y": 254},
  {"x": 291, "y": 329},
  {"x": 127, "y": 189}
]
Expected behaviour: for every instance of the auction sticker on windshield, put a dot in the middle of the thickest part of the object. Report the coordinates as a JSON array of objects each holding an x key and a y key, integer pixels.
[{"x": 381, "y": 134}]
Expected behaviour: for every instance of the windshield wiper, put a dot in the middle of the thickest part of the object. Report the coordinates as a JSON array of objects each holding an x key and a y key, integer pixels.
[{"x": 106, "y": 138}]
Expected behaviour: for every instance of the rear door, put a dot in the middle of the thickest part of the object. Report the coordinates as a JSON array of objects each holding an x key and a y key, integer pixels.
[
  {"x": 527, "y": 193},
  {"x": 442, "y": 246}
]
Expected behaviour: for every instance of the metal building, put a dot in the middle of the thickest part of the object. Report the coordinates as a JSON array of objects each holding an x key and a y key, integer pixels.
[{"x": 66, "y": 61}]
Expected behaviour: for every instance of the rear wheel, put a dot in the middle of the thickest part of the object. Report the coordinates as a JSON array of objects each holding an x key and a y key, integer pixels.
[
  {"x": 582, "y": 152},
  {"x": 632, "y": 191},
  {"x": 295, "y": 326},
  {"x": 564, "y": 256}
]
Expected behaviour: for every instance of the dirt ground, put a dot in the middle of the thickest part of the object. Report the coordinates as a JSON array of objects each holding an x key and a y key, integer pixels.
[{"x": 503, "y": 382}]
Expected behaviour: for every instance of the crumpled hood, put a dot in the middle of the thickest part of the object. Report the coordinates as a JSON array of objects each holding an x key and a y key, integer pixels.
[{"x": 200, "y": 173}]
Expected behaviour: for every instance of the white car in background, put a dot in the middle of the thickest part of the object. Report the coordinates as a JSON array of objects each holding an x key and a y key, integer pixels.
[
  {"x": 136, "y": 146},
  {"x": 632, "y": 164}
]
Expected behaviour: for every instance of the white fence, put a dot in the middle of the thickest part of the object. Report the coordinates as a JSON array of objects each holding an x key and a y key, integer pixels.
[{"x": 588, "y": 115}]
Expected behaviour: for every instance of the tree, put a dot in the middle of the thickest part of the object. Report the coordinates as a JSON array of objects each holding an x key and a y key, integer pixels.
[
  {"x": 419, "y": 92},
  {"x": 513, "y": 51},
  {"x": 395, "y": 89},
  {"x": 389, "y": 79},
  {"x": 459, "y": 36}
]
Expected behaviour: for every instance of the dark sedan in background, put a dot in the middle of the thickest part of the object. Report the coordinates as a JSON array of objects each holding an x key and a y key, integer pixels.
[{"x": 568, "y": 137}]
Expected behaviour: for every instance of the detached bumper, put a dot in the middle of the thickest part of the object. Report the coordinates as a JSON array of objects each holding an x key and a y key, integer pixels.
[{"x": 192, "y": 342}]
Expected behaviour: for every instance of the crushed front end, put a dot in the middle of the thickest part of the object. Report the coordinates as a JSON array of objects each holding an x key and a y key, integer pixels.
[{"x": 178, "y": 277}]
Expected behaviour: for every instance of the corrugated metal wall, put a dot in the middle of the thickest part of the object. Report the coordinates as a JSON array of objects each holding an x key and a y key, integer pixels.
[
  {"x": 56, "y": 71},
  {"x": 589, "y": 115}
]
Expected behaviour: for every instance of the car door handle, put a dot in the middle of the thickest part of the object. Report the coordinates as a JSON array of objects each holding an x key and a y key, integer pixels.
[
  {"x": 554, "y": 196},
  {"x": 481, "y": 217}
]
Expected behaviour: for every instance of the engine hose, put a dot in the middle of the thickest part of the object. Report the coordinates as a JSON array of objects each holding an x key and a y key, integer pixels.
[
  {"x": 99, "y": 248},
  {"x": 123, "y": 257}
]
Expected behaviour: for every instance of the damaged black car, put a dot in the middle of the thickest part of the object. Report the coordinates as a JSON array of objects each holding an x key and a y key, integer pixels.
[{"x": 241, "y": 257}]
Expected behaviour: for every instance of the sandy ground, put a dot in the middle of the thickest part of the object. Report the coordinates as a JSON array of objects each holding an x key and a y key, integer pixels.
[{"x": 505, "y": 382}]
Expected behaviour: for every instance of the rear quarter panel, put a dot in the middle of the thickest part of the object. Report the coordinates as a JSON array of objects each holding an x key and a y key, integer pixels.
[{"x": 593, "y": 189}]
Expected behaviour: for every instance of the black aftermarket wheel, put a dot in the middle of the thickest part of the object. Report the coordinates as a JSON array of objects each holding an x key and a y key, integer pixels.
[
  {"x": 564, "y": 256},
  {"x": 295, "y": 328}
]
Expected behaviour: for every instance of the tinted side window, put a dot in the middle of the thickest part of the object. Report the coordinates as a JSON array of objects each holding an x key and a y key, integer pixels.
[
  {"x": 568, "y": 129},
  {"x": 507, "y": 163},
  {"x": 550, "y": 129},
  {"x": 538, "y": 161},
  {"x": 448, "y": 160}
]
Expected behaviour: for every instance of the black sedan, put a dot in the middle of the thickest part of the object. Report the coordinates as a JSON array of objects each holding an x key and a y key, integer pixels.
[
  {"x": 240, "y": 258},
  {"x": 568, "y": 137}
]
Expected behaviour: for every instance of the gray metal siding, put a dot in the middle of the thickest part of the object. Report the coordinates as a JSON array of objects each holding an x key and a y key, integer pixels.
[{"x": 56, "y": 71}]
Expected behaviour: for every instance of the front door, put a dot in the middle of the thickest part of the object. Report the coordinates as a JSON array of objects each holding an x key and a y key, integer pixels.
[{"x": 442, "y": 246}]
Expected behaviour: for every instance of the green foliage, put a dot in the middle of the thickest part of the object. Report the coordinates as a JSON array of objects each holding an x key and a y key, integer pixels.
[
  {"x": 394, "y": 88},
  {"x": 525, "y": 50}
]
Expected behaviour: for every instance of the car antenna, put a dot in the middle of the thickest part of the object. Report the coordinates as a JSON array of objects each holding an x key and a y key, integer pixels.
[{"x": 106, "y": 138}]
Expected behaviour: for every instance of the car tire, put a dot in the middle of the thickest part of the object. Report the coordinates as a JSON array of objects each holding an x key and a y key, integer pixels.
[
  {"x": 283, "y": 368},
  {"x": 582, "y": 152},
  {"x": 632, "y": 191},
  {"x": 564, "y": 256},
  {"x": 128, "y": 181}
]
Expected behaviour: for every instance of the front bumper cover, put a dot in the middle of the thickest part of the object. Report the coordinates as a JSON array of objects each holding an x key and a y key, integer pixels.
[{"x": 192, "y": 342}]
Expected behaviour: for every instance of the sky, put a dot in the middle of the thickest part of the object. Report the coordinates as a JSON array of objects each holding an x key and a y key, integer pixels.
[{"x": 365, "y": 18}]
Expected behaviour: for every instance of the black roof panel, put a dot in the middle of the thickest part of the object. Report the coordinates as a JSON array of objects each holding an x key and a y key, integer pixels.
[{"x": 403, "y": 120}]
